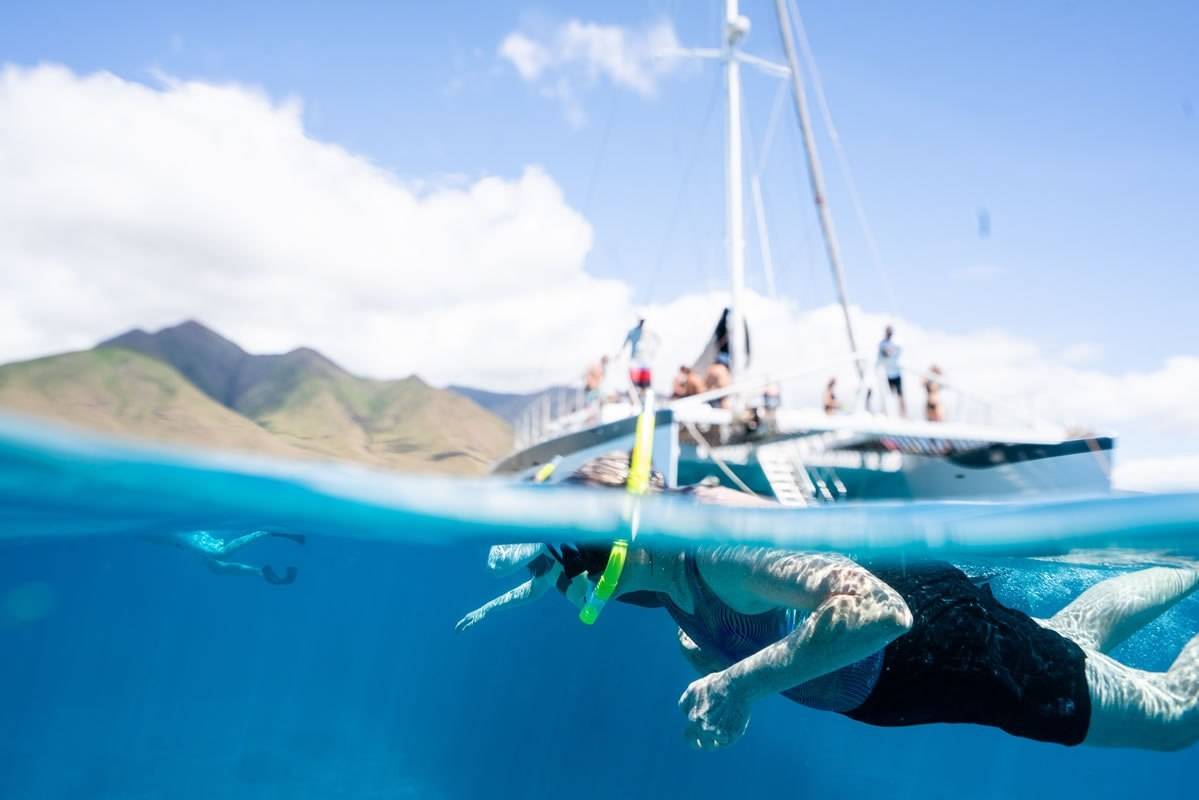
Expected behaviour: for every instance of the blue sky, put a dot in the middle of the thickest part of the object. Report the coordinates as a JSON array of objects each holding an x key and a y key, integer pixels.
[{"x": 1073, "y": 124}]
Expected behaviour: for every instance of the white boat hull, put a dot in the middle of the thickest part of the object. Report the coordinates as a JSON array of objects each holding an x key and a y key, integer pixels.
[{"x": 852, "y": 459}]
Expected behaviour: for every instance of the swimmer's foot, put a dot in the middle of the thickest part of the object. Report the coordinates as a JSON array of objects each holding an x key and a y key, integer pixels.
[
  {"x": 298, "y": 538},
  {"x": 272, "y": 577}
]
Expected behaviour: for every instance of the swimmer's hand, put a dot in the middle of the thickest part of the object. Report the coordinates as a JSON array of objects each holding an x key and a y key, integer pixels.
[
  {"x": 717, "y": 715},
  {"x": 470, "y": 620}
]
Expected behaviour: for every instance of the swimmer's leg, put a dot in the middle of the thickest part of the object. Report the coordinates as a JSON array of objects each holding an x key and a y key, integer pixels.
[
  {"x": 267, "y": 573},
  {"x": 232, "y": 567},
  {"x": 1145, "y": 710},
  {"x": 1112, "y": 610},
  {"x": 233, "y": 545},
  {"x": 298, "y": 538}
]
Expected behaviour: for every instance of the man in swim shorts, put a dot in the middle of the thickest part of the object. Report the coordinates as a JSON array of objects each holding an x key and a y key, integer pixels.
[
  {"x": 896, "y": 644},
  {"x": 888, "y": 359},
  {"x": 642, "y": 345}
]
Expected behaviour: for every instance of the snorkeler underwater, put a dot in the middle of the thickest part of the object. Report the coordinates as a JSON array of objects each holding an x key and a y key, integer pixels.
[
  {"x": 898, "y": 643},
  {"x": 722, "y": 399}
]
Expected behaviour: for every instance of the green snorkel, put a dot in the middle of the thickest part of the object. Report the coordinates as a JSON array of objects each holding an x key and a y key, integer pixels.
[{"x": 637, "y": 484}]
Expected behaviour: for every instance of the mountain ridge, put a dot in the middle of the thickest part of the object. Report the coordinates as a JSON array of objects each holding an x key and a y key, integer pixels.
[{"x": 208, "y": 390}]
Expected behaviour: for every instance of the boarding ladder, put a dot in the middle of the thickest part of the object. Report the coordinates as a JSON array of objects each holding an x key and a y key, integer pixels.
[{"x": 786, "y": 474}]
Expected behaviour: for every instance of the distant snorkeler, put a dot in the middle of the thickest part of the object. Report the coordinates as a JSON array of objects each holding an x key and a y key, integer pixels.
[
  {"x": 881, "y": 643},
  {"x": 214, "y": 551}
]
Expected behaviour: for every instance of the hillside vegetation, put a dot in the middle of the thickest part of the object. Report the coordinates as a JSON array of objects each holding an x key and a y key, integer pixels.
[{"x": 189, "y": 385}]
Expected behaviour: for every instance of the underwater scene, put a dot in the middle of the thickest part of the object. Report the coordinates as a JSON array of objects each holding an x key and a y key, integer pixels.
[{"x": 133, "y": 669}]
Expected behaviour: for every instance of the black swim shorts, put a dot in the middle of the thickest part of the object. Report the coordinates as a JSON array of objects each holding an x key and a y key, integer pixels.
[{"x": 970, "y": 659}]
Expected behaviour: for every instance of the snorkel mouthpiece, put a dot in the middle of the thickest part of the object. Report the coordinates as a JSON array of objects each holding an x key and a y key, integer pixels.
[{"x": 637, "y": 485}]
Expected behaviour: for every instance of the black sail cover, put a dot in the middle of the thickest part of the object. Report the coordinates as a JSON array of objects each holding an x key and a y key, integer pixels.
[{"x": 719, "y": 343}]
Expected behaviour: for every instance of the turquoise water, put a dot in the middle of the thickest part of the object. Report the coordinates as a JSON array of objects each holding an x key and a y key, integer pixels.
[{"x": 131, "y": 671}]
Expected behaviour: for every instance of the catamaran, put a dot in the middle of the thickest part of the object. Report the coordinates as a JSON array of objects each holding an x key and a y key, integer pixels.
[{"x": 739, "y": 436}]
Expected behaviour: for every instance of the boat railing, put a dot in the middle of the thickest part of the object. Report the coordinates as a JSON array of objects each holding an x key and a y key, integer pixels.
[
  {"x": 872, "y": 395},
  {"x": 564, "y": 410}
]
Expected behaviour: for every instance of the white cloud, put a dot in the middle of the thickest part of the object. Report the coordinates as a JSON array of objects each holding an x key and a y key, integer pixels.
[
  {"x": 123, "y": 204},
  {"x": 1165, "y": 474},
  {"x": 571, "y": 58},
  {"x": 529, "y": 57}
]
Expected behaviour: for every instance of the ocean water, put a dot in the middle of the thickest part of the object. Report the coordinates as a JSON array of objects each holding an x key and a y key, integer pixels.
[{"x": 129, "y": 670}]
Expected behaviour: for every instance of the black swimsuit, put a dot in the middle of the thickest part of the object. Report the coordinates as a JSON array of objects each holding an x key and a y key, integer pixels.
[{"x": 968, "y": 658}]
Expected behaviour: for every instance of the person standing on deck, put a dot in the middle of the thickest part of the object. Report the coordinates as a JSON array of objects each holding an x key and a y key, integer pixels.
[
  {"x": 642, "y": 344},
  {"x": 831, "y": 404},
  {"x": 888, "y": 359},
  {"x": 933, "y": 409}
]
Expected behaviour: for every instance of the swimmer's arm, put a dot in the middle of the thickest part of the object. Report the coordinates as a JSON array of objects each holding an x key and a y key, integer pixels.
[
  {"x": 526, "y": 592},
  {"x": 853, "y": 614},
  {"x": 505, "y": 558}
]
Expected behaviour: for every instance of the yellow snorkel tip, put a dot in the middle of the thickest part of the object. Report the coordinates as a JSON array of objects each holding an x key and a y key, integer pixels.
[
  {"x": 543, "y": 474},
  {"x": 642, "y": 458}
]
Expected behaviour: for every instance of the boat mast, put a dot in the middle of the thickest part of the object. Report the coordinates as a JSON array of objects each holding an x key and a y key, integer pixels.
[
  {"x": 815, "y": 176},
  {"x": 735, "y": 29}
]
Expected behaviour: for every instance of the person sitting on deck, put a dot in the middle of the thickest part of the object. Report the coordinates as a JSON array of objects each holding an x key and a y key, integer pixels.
[
  {"x": 687, "y": 383},
  {"x": 593, "y": 380},
  {"x": 719, "y": 377},
  {"x": 892, "y": 643}
]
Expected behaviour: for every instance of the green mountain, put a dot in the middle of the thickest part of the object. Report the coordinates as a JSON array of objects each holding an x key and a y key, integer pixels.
[
  {"x": 188, "y": 384},
  {"x": 124, "y": 393}
]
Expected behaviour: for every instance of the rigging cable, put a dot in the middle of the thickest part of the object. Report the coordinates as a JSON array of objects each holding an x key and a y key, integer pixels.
[
  {"x": 599, "y": 157},
  {"x": 755, "y": 185},
  {"x": 842, "y": 159},
  {"x": 678, "y": 201},
  {"x": 593, "y": 180}
]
